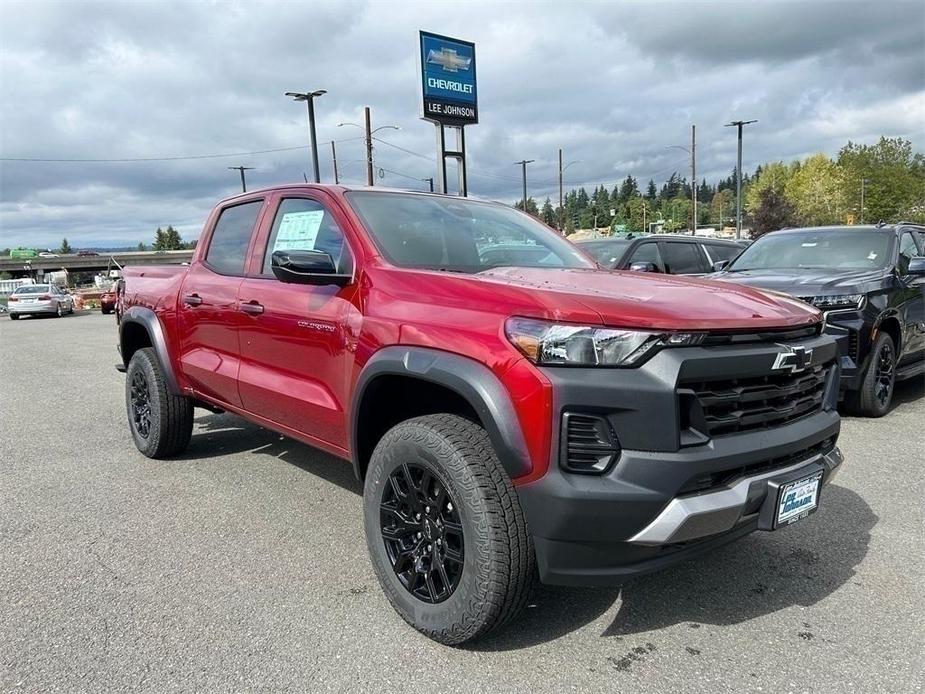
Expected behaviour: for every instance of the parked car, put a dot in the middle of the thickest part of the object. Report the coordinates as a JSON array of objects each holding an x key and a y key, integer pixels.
[
  {"x": 671, "y": 254},
  {"x": 38, "y": 299},
  {"x": 551, "y": 419},
  {"x": 86, "y": 254},
  {"x": 108, "y": 301},
  {"x": 869, "y": 281}
]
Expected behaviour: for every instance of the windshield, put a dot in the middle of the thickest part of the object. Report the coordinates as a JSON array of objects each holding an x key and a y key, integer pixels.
[
  {"x": 605, "y": 252},
  {"x": 458, "y": 235},
  {"x": 835, "y": 249},
  {"x": 33, "y": 289}
]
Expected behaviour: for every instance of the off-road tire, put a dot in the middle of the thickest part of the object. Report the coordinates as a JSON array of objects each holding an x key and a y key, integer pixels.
[
  {"x": 499, "y": 564},
  {"x": 170, "y": 421},
  {"x": 865, "y": 401}
]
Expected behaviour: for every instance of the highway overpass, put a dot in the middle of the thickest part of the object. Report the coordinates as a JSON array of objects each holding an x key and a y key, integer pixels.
[{"x": 91, "y": 263}]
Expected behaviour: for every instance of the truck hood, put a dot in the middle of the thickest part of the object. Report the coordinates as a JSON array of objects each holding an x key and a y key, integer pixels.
[
  {"x": 646, "y": 300},
  {"x": 808, "y": 282}
]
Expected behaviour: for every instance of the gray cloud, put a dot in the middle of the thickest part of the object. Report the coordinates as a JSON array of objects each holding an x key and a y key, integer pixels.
[{"x": 613, "y": 84}]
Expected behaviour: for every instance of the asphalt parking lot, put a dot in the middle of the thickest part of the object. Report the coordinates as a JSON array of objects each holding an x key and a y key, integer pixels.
[{"x": 242, "y": 566}]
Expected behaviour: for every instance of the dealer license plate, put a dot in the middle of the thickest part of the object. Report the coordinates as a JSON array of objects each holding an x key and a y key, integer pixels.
[{"x": 798, "y": 499}]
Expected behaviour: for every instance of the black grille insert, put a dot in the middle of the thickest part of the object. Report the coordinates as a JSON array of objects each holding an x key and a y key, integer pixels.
[
  {"x": 728, "y": 406},
  {"x": 588, "y": 444}
]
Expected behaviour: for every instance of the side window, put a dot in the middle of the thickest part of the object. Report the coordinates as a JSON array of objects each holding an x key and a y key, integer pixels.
[
  {"x": 305, "y": 225},
  {"x": 721, "y": 251},
  {"x": 647, "y": 253},
  {"x": 227, "y": 250},
  {"x": 907, "y": 250},
  {"x": 683, "y": 258}
]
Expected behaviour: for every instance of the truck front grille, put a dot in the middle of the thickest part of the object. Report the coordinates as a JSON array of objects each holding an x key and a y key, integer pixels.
[{"x": 728, "y": 406}]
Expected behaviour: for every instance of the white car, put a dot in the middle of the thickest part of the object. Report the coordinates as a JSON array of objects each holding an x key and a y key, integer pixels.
[
  {"x": 35, "y": 299},
  {"x": 47, "y": 254}
]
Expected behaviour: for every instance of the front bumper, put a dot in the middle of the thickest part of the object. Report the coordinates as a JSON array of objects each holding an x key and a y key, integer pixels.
[{"x": 643, "y": 514}]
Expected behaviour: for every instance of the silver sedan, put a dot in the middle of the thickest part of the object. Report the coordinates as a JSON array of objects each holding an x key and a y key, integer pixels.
[{"x": 34, "y": 299}]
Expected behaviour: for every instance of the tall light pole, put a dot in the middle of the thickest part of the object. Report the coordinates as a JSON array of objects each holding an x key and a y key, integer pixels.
[
  {"x": 309, "y": 98},
  {"x": 861, "y": 214},
  {"x": 242, "y": 169},
  {"x": 369, "y": 140},
  {"x": 739, "y": 124},
  {"x": 693, "y": 154},
  {"x": 523, "y": 164},
  {"x": 334, "y": 160},
  {"x": 561, "y": 193}
]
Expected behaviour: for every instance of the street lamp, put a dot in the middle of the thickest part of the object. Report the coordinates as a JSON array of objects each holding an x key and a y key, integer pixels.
[
  {"x": 561, "y": 201},
  {"x": 309, "y": 99},
  {"x": 738, "y": 124},
  {"x": 369, "y": 141}
]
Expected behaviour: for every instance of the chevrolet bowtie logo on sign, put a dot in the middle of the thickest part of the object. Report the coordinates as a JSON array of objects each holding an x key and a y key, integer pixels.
[
  {"x": 448, "y": 70},
  {"x": 448, "y": 59},
  {"x": 794, "y": 359}
]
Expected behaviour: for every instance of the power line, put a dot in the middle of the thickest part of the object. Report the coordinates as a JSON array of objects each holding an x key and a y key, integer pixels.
[{"x": 149, "y": 159}]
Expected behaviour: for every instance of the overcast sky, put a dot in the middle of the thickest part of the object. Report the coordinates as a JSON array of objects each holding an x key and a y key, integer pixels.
[{"x": 614, "y": 84}]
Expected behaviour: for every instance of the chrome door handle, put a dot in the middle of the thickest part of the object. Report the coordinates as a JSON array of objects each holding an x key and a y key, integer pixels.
[{"x": 252, "y": 308}]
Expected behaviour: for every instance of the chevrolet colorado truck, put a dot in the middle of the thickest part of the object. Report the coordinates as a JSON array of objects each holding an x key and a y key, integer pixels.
[{"x": 513, "y": 416}]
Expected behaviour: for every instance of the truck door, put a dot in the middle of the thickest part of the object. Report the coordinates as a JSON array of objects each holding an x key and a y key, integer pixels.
[
  {"x": 912, "y": 297},
  {"x": 297, "y": 339},
  {"x": 207, "y": 315}
]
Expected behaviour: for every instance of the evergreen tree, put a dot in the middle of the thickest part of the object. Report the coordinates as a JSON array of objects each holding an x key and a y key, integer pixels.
[
  {"x": 160, "y": 242},
  {"x": 142, "y": 246},
  {"x": 548, "y": 214},
  {"x": 651, "y": 191},
  {"x": 65, "y": 247},
  {"x": 172, "y": 239}
]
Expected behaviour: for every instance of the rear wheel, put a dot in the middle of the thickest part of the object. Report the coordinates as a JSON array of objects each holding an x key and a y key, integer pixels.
[
  {"x": 876, "y": 392},
  {"x": 161, "y": 423},
  {"x": 445, "y": 531},
  {"x": 14, "y": 316}
]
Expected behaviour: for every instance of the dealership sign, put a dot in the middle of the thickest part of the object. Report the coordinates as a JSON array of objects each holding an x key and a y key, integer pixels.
[{"x": 448, "y": 80}]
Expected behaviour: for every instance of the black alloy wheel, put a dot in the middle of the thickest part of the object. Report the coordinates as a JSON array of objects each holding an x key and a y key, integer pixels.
[
  {"x": 141, "y": 404},
  {"x": 884, "y": 375},
  {"x": 422, "y": 532}
]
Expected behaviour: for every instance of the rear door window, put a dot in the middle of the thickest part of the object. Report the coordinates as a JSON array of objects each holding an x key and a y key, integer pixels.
[
  {"x": 232, "y": 235},
  {"x": 682, "y": 258}
]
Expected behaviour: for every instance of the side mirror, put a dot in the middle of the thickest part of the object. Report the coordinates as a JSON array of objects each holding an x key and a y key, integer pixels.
[
  {"x": 306, "y": 267},
  {"x": 643, "y": 267},
  {"x": 720, "y": 265},
  {"x": 916, "y": 267}
]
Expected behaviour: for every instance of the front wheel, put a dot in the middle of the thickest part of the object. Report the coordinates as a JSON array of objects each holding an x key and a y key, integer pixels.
[
  {"x": 446, "y": 535},
  {"x": 14, "y": 316},
  {"x": 161, "y": 423},
  {"x": 876, "y": 392},
  {"x": 59, "y": 311}
]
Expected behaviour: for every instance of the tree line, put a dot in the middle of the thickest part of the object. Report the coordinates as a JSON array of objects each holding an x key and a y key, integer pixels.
[{"x": 815, "y": 191}]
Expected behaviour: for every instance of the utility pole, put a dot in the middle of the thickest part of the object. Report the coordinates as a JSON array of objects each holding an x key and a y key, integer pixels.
[
  {"x": 861, "y": 214},
  {"x": 369, "y": 148},
  {"x": 242, "y": 169},
  {"x": 431, "y": 181},
  {"x": 561, "y": 208},
  {"x": 693, "y": 180},
  {"x": 523, "y": 164},
  {"x": 334, "y": 159},
  {"x": 739, "y": 124},
  {"x": 309, "y": 98}
]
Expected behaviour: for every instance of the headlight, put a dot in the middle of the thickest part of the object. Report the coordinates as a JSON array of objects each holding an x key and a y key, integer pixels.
[
  {"x": 827, "y": 302},
  {"x": 548, "y": 343}
]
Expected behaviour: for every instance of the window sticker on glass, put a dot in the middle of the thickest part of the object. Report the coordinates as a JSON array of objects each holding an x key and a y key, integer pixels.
[
  {"x": 809, "y": 244},
  {"x": 298, "y": 231},
  {"x": 871, "y": 256}
]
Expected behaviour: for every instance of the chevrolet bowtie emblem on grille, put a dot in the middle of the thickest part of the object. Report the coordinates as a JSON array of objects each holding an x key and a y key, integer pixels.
[
  {"x": 795, "y": 359},
  {"x": 448, "y": 59}
]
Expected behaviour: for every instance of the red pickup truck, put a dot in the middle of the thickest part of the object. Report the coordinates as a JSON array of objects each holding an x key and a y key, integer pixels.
[{"x": 515, "y": 411}]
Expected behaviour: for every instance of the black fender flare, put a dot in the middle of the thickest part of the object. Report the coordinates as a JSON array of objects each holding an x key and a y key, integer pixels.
[
  {"x": 469, "y": 379},
  {"x": 146, "y": 318}
]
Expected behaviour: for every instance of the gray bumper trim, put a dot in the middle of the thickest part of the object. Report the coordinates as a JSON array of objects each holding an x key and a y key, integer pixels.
[{"x": 720, "y": 504}]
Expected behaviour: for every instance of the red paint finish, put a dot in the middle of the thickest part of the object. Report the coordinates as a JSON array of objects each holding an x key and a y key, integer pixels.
[{"x": 288, "y": 356}]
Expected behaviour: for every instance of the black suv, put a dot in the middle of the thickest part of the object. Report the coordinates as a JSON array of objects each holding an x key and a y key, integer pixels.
[
  {"x": 676, "y": 255},
  {"x": 869, "y": 281}
]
